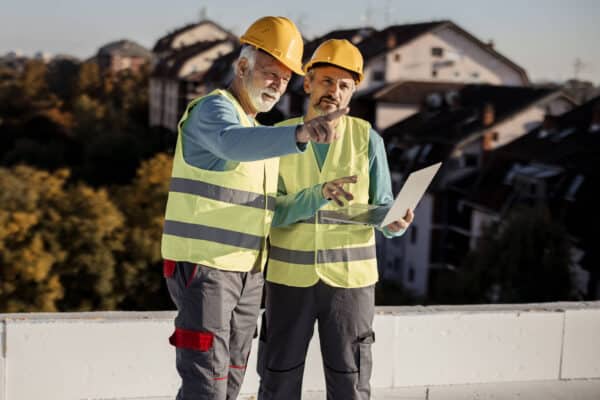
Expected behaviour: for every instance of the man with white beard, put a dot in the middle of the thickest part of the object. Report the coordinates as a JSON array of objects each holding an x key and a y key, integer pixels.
[{"x": 220, "y": 207}]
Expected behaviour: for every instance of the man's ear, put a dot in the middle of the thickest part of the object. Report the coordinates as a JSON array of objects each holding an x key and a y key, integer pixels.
[
  {"x": 306, "y": 84},
  {"x": 242, "y": 67}
]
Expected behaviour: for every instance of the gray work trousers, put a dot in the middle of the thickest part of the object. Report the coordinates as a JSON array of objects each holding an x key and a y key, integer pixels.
[
  {"x": 345, "y": 320},
  {"x": 214, "y": 327}
]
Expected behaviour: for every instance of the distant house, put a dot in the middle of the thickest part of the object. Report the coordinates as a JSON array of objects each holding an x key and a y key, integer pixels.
[
  {"x": 555, "y": 164},
  {"x": 460, "y": 128},
  {"x": 182, "y": 59},
  {"x": 13, "y": 60},
  {"x": 392, "y": 102},
  {"x": 122, "y": 55},
  {"x": 203, "y": 31},
  {"x": 435, "y": 51},
  {"x": 404, "y": 63}
]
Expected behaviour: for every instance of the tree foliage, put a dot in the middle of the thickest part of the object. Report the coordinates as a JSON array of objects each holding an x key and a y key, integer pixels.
[
  {"x": 57, "y": 242},
  {"x": 143, "y": 203},
  {"x": 525, "y": 258}
]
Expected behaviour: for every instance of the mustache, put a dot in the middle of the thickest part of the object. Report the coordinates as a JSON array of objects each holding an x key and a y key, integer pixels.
[
  {"x": 271, "y": 92},
  {"x": 331, "y": 99}
]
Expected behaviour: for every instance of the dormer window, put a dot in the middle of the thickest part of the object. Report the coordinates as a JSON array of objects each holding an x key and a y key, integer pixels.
[
  {"x": 378, "y": 76},
  {"x": 532, "y": 180},
  {"x": 437, "y": 52}
]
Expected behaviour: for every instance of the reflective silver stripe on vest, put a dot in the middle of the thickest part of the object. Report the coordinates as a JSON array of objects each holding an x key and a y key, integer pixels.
[
  {"x": 227, "y": 195},
  {"x": 321, "y": 214},
  {"x": 211, "y": 234},
  {"x": 323, "y": 256}
]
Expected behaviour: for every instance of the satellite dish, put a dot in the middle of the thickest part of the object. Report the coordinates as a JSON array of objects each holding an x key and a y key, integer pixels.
[{"x": 434, "y": 100}]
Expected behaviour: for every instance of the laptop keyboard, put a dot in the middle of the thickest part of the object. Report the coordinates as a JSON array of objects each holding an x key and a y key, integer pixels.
[{"x": 374, "y": 216}]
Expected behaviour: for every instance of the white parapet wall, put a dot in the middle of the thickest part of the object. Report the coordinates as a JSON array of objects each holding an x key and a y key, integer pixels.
[{"x": 125, "y": 355}]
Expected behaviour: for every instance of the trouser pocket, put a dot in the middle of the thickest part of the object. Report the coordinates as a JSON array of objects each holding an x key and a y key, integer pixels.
[
  {"x": 365, "y": 359},
  {"x": 197, "y": 364}
]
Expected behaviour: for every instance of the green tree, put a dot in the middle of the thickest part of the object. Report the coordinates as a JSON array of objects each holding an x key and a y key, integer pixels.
[
  {"x": 57, "y": 243},
  {"x": 139, "y": 281},
  {"x": 525, "y": 258},
  {"x": 34, "y": 79},
  {"x": 89, "y": 81},
  {"x": 62, "y": 79}
]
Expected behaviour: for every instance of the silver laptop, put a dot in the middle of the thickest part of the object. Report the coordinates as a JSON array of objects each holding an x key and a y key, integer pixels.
[{"x": 379, "y": 216}]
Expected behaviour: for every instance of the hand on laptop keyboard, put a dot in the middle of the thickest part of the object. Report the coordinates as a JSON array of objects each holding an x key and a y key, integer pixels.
[{"x": 334, "y": 190}]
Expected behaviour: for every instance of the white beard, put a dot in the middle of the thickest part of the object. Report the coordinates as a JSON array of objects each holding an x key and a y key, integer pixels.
[{"x": 255, "y": 96}]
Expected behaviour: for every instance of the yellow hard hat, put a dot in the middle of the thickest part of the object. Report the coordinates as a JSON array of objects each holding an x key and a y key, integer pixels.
[
  {"x": 338, "y": 52},
  {"x": 279, "y": 37}
]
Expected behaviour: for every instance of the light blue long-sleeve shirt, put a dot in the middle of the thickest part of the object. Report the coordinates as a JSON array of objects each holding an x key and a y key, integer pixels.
[
  {"x": 295, "y": 207},
  {"x": 214, "y": 138}
]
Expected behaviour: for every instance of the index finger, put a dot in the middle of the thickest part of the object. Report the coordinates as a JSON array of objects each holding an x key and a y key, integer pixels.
[
  {"x": 346, "y": 179},
  {"x": 336, "y": 114}
]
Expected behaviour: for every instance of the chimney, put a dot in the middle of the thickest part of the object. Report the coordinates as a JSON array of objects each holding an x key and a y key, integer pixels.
[
  {"x": 491, "y": 44},
  {"x": 549, "y": 126},
  {"x": 391, "y": 40},
  {"x": 488, "y": 115}
]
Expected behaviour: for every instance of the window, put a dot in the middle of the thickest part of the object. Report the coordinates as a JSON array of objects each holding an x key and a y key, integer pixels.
[
  {"x": 378, "y": 76},
  {"x": 411, "y": 274},
  {"x": 434, "y": 73},
  {"x": 397, "y": 57},
  {"x": 437, "y": 52},
  {"x": 413, "y": 234},
  {"x": 471, "y": 160}
]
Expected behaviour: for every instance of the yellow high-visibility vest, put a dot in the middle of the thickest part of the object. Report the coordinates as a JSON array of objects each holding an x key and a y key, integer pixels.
[
  {"x": 340, "y": 255},
  {"x": 219, "y": 218}
]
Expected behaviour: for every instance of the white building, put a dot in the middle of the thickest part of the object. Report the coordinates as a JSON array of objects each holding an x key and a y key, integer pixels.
[{"x": 182, "y": 58}]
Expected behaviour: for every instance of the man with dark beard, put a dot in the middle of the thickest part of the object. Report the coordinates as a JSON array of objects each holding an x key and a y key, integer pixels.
[{"x": 318, "y": 270}]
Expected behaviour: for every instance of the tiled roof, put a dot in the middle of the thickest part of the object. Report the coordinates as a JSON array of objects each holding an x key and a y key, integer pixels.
[
  {"x": 451, "y": 124},
  {"x": 407, "y": 92},
  {"x": 125, "y": 48},
  {"x": 164, "y": 44},
  {"x": 566, "y": 157},
  {"x": 169, "y": 66}
]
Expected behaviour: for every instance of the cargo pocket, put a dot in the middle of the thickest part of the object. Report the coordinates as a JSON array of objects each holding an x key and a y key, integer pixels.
[
  {"x": 192, "y": 340},
  {"x": 196, "y": 362},
  {"x": 365, "y": 359}
]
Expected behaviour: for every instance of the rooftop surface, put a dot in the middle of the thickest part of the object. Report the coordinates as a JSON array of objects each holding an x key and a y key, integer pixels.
[{"x": 488, "y": 352}]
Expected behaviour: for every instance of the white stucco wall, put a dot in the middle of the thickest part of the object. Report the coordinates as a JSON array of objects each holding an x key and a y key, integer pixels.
[
  {"x": 204, "y": 32},
  {"x": 202, "y": 61},
  {"x": 416, "y": 61},
  {"x": 125, "y": 355},
  {"x": 417, "y": 253},
  {"x": 387, "y": 114}
]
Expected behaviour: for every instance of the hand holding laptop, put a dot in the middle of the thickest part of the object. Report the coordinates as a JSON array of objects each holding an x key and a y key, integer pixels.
[
  {"x": 402, "y": 223},
  {"x": 392, "y": 215}
]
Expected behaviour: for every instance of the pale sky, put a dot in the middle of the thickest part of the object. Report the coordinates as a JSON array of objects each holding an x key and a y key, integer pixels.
[{"x": 543, "y": 36}]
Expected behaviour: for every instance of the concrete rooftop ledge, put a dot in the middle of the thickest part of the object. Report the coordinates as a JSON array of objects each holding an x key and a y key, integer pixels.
[{"x": 420, "y": 352}]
